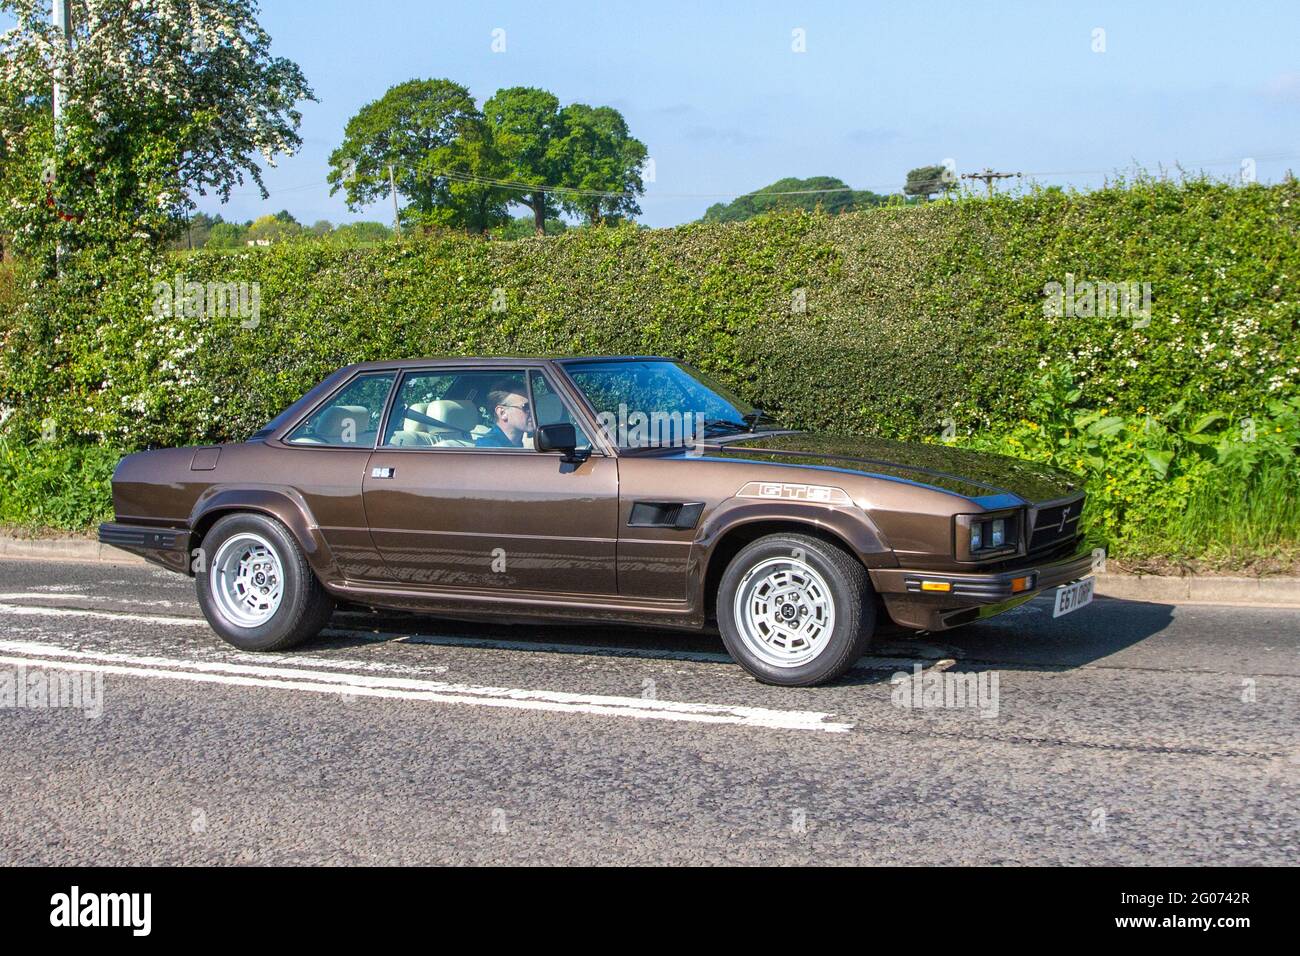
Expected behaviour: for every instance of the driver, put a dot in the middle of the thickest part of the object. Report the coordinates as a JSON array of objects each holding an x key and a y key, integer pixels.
[{"x": 512, "y": 416}]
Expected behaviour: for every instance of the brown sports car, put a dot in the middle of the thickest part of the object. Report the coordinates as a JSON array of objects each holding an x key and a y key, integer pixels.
[{"x": 611, "y": 489}]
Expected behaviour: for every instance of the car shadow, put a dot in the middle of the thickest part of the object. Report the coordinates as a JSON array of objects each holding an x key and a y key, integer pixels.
[
  {"x": 1027, "y": 637},
  {"x": 356, "y": 626}
]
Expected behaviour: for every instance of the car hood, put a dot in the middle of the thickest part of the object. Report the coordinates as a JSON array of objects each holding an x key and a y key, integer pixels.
[{"x": 971, "y": 474}]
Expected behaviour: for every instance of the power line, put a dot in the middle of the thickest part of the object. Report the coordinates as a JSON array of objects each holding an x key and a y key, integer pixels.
[
  {"x": 988, "y": 176},
  {"x": 518, "y": 186}
]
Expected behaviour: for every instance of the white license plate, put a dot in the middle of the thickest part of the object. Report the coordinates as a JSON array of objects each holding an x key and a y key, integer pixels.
[{"x": 1071, "y": 597}]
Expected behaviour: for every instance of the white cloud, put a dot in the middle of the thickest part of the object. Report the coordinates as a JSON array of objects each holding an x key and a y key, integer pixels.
[{"x": 1284, "y": 86}]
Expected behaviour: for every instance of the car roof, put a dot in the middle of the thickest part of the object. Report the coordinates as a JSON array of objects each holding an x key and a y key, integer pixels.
[{"x": 495, "y": 360}]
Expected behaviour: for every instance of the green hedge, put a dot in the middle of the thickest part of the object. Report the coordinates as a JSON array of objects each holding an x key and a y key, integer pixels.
[
  {"x": 910, "y": 315},
  {"x": 894, "y": 320},
  {"x": 45, "y": 485}
]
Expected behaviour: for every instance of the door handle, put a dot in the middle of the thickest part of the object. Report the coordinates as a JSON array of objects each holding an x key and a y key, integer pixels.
[{"x": 382, "y": 472}]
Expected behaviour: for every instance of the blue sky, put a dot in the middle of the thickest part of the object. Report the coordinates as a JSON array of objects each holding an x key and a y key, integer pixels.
[{"x": 726, "y": 106}]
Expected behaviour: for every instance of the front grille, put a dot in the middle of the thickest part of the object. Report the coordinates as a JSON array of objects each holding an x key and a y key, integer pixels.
[{"x": 1054, "y": 523}]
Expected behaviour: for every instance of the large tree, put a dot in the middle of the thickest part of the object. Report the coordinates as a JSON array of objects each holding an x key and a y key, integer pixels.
[
  {"x": 925, "y": 181},
  {"x": 826, "y": 192},
  {"x": 433, "y": 136},
  {"x": 599, "y": 163},
  {"x": 226, "y": 235},
  {"x": 274, "y": 228},
  {"x": 527, "y": 130},
  {"x": 163, "y": 98}
]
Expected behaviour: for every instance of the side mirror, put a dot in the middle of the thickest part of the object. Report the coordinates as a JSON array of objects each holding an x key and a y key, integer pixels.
[{"x": 561, "y": 437}]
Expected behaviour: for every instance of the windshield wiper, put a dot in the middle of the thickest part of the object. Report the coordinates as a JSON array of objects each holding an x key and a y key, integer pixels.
[
  {"x": 748, "y": 423},
  {"x": 726, "y": 424}
]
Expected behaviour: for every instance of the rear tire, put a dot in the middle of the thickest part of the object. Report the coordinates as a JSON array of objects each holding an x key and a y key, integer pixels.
[
  {"x": 795, "y": 610},
  {"x": 256, "y": 589}
]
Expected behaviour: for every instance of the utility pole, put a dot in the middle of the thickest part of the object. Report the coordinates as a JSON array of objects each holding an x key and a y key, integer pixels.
[
  {"x": 988, "y": 176},
  {"x": 62, "y": 17},
  {"x": 392, "y": 188}
]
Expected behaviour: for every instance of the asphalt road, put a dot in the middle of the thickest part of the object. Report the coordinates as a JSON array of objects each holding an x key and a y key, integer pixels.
[{"x": 1125, "y": 733}]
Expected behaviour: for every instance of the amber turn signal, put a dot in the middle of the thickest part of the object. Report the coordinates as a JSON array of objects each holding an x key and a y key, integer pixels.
[
  {"x": 935, "y": 586},
  {"x": 1021, "y": 584}
]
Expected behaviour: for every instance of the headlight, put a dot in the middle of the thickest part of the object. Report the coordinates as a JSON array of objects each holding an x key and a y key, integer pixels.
[{"x": 987, "y": 535}]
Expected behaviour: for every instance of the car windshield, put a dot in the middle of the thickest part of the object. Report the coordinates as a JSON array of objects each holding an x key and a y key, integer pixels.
[{"x": 653, "y": 403}]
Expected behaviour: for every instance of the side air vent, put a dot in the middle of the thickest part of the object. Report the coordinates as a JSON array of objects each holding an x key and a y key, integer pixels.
[
  {"x": 665, "y": 514},
  {"x": 137, "y": 538}
]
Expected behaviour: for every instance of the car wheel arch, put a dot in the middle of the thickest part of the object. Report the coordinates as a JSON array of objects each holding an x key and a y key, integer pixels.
[
  {"x": 280, "y": 505},
  {"x": 726, "y": 542}
]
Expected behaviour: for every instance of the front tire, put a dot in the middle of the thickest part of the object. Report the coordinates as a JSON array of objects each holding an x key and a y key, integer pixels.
[
  {"x": 795, "y": 610},
  {"x": 256, "y": 589}
]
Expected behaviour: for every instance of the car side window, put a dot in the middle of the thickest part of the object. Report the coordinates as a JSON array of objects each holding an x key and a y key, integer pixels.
[
  {"x": 548, "y": 409},
  {"x": 473, "y": 409},
  {"x": 453, "y": 408},
  {"x": 351, "y": 418}
]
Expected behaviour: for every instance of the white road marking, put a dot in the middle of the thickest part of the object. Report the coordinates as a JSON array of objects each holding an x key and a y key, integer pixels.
[
  {"x": 31, "y": 611},
  {"x": 490, "y": 643},
  {"x": 35, "y": 653},
  {"x": 341, "y": 663},
  {"x": 61, "y": 596}
]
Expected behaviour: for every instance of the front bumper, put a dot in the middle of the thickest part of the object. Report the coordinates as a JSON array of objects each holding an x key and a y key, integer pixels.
[
  {"x": 169, "y": 547},
  {"x": 934, "y": 600}
]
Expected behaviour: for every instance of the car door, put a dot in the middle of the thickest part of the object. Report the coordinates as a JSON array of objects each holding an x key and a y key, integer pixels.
[
  {"x": 324, "y": 457},
  {"x": 448, "y": 510}
]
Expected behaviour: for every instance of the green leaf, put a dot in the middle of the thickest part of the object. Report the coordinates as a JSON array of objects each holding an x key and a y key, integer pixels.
[
  {"x": 1085, "y": 419},
  {"x": 1159, "y": 460},
  {"x": 1110, "y": 425},
  {"x": 1205, "y": 421}
]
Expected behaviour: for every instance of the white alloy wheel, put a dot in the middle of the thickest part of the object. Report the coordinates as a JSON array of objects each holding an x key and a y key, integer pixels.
[
  {"x": 784, "y": 611},
  {"x": 247, "y": 580}
]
